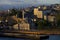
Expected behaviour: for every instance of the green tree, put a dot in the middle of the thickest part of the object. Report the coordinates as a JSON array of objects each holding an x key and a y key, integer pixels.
[
  {"x": 13, "y": 12},
  {"x": 58, "y": 17},
  {"x": 43, "y": 24}
]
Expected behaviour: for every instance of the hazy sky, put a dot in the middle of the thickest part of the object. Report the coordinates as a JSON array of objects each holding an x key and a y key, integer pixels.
[{"x": 14, "y": 2}]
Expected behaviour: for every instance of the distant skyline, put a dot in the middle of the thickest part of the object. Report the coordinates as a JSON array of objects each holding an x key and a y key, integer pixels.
[{"x": 14, "y": 2}]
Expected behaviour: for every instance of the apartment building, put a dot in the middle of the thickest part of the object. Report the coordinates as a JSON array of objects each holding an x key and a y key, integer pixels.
[{"x": 38, "y": 13}]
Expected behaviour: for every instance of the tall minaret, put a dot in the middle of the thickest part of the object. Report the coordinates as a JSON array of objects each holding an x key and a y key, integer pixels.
[
  {"x": 23, "y": 15},
  {"x": 24, "y": 25}
]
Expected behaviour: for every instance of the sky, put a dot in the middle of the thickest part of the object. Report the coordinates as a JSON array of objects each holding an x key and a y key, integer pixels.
[{"x": 14, "y": 2}]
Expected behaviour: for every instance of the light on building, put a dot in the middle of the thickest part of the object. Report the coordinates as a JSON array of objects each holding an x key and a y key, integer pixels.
[
  {"x": 39, "y": 7},
  {"x": 6, "y": 20},
  {"x": 0, "y": 21}
]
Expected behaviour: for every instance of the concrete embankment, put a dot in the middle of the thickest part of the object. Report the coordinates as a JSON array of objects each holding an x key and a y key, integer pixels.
[
  {"x": 22, "y": 35},
  {"x": 30, "y": 34}
]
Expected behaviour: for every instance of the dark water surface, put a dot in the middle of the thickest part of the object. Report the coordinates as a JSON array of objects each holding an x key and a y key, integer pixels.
[
  {"x": 51, "y": 37},
  {"x": 54, "y": 37}
]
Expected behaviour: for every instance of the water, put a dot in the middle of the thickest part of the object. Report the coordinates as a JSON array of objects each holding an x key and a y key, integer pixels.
[
  {"x": 51, "y": 37},
  {"x": 54, "y": 37}
]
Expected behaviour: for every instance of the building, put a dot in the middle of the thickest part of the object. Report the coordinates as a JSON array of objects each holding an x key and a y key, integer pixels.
[
  {"x": 49, "y": 18},
  {"x": 56, "y": 6},
  {"x": 38, "y": 13},
  {"x": 24, "y": 26},
  {"x": 21, "y": 26},
  {"x": 22, "y": 23}
]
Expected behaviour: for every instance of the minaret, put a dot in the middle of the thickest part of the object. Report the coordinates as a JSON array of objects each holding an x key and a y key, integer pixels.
[
  {"x": 23, "y": 15},
  {"x": 24, "y": 25}
]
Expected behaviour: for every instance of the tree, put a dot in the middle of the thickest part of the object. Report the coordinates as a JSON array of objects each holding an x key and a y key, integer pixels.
[
  {"x": 12, "y": 12},
  {"x": 58, "y": 17},
  {"x": 42, "y": 24}
]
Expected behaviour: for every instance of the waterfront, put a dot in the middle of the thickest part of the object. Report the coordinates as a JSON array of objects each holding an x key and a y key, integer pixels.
[{"x": 51, "y": 37}]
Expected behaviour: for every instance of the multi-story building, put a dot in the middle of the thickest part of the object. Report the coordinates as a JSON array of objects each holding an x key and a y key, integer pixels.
[
  {"x": 38, "y": 13},
  {"x": 49, "y": 18}
]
